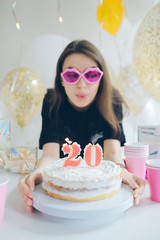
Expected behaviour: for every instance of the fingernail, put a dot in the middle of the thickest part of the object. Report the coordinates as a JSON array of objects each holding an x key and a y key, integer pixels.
[
  {"x": 31, "y": 195},
  {"x": 135, "y": 194},
  {"x": 137, "y": 202}
]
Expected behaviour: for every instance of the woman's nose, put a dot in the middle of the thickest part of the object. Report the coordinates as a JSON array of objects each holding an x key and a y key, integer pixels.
[{"x": 81, "y": 83}]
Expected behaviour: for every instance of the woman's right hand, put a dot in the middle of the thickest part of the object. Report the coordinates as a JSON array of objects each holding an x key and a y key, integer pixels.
[{"x": 27, "y": 185}]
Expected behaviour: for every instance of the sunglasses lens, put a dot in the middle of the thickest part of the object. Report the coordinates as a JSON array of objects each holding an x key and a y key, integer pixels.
[
  {"x": 70, "y": 76},
  {"x": 93, "y": 76}
]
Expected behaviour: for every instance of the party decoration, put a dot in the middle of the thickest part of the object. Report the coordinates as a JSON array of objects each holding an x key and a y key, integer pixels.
[
  {"x": 22, "y": 91},
  {"x": 131, "y": 90},
  {"x": 22, "y": 159},
  {"x": 5, "y": 136},
  {"x": 3, "y": 159},
  {"x": 4, "y": 127},
  {"x": 15, "y": 17},
  {"x": 137, "y": 9},
  {"x": 151, "y": 135},
  {"x": 147, "y": 53},
  {"x": 110, "y": 15}
]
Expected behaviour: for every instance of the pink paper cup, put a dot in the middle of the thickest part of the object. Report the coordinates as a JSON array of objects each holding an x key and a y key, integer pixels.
[
  {"x": 153, "y": 174},
  {"x": 3, "y": 189},
  {"x": 136, "y": 145},
  {"x": 136, "y": 166}
]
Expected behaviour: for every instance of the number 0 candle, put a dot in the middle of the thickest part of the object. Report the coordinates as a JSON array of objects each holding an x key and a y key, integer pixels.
[{"x": 93, "y": 155}]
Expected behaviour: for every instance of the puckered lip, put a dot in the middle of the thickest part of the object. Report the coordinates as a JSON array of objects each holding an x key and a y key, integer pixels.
[{"x": 81, "y": 95}]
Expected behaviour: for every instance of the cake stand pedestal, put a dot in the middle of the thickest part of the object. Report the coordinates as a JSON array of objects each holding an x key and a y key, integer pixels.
[{"x": 83, "y": 213}]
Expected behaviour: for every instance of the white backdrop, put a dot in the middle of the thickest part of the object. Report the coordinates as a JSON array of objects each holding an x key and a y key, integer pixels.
[{"x": 41, "y": 40}]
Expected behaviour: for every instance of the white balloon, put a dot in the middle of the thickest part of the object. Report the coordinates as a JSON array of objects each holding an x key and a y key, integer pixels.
[
  {"x": 130, "y": 89},
  {"x": 42, "y": 53},
  {"x": 137, "y": 9}
]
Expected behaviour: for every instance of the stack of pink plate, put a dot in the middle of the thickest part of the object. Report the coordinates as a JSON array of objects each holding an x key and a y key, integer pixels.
[{"x": 136, "y": 154}]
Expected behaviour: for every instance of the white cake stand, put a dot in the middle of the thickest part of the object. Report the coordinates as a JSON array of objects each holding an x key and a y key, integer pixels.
[{"x": 83, "y": 213}]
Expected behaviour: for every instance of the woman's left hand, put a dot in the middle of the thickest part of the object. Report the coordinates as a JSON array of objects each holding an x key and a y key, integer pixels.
[{"x": 138, "y": 184}]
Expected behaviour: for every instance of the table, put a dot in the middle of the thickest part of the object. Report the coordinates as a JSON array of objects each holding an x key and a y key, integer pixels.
[{"x": 138, "y": 222}]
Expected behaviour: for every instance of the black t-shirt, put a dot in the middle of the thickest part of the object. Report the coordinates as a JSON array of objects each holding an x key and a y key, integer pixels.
[{"x": 82, "y": 127}]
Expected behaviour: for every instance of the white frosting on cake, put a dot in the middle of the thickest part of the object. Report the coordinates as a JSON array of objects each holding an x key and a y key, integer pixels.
[{"x": 82, "y": 181}]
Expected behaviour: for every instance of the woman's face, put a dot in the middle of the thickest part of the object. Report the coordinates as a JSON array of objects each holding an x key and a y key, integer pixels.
[{"x": 81, "y": 94}]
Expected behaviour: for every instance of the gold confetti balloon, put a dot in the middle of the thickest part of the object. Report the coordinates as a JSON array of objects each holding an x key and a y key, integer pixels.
[
  {"x": 22, "y": 92},
  {"x": 147, "y": 53},
  {"x": 130, "y": 89}
]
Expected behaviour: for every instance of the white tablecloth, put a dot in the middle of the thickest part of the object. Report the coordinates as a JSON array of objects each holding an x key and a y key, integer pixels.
[{"x": 138, "y": 222}]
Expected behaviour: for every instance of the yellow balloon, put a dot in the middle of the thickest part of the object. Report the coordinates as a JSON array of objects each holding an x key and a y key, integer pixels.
[
  {"x": 110, "y": 15},
  {"x": 22, "y": 92}
]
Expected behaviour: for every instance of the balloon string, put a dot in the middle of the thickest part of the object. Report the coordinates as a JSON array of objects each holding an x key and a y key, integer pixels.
[
  {"x": 118, "y": 51},
  {"x": 100, "y": 40},
  {"x": 60, "y": 18},
  {"x": 24, "y": 134},
  {"x": 20, "y": 45},
  {"x": 15, "y": 17},
  {"x": 126, "y": 35},
  {"x": 100, "y": 31}
]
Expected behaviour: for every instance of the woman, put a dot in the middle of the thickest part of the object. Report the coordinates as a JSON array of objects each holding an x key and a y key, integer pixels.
[{"x": 85, "y": 108}]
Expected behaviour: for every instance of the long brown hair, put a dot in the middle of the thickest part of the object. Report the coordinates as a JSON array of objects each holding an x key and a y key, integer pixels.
[{"x": 106, "y": 97}]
